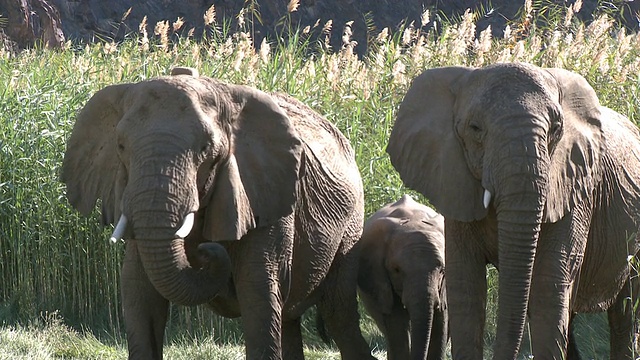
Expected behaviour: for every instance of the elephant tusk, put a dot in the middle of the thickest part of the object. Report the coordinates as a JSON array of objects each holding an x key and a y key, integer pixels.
[
  {"x": 186, "y": 227},
  {"x": 118, "y": 232},
  {"x": 486, "y": 199}
]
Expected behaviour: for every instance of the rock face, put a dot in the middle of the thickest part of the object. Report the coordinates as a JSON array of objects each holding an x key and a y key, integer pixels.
[
  {"x": 29, "y": 21},
  {"x": 90, "y": 20}
]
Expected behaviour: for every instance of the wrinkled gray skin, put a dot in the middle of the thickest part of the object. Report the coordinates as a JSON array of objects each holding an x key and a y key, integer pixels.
[
  {"x": 564, "y": 177},
  {"x": 277, "y": 198},
  {"x": 401, "y": 279}
]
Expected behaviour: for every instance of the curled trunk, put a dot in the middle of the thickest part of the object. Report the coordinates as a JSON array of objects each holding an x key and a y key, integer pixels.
[
  {"x": 168, "y": 269},
  {"x": 157, "y": 201}
]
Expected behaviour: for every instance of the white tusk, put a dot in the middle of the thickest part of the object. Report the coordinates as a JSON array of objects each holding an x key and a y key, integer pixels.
[
  {"x": 486, "y": 199},
  {"x": 118, "y": 232},
  {"x": 186, "y": 227}
]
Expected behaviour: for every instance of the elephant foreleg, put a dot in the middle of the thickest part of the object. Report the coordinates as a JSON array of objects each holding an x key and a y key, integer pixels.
[
  {"x": 555, "y": 271},
  {"x": 623, "y": 320},
  {"x": 572, "y": 347},
  {"x": 395, "y": 327},
  {"x": 466, "y": 286},
  {"x": 145, "y": 310},
  {"x": 292, "y": 340},
  {"x": 258, "y": 262}
]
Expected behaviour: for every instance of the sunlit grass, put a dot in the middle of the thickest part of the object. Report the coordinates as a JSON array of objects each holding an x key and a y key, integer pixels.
[{"x": 53, "y": 260}]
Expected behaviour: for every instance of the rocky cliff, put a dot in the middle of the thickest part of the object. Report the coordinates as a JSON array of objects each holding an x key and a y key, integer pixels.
[{"x": 54, "y": 21}]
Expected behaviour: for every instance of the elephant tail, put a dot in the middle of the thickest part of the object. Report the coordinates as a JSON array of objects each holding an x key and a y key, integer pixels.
[{"x": 322, "y": 329}]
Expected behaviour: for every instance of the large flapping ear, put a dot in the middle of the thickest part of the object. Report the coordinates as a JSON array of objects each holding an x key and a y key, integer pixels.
[
  {"x": 258, "y": 184},
  {"x": 91, "y": 166},
  {"x": 425, "y": 150},
  {"x": 577, "y": 156}
]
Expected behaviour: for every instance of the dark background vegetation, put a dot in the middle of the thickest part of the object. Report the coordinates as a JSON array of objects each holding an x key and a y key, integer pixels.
[{"x": 53, "y": 21}]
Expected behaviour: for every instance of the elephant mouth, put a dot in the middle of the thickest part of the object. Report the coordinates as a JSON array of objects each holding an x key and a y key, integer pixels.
[{"x": 181, "y": 233}]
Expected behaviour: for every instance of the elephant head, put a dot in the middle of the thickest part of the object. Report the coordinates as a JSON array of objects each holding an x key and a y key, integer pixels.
[
  {"x": 522, "y": 140},
  {"x": 160, "y": 152},
  {"x": 402, "y": 266}
]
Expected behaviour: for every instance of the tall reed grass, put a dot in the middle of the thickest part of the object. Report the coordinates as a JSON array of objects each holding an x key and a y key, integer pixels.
[{"x": 53, "y": 260}]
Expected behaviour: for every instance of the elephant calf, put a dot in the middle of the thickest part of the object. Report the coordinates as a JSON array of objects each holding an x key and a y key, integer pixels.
[{"x": 401, "y": 278}]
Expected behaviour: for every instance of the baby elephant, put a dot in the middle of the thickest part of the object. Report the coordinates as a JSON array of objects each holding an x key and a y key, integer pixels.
[{"x": 401, "y": 278}]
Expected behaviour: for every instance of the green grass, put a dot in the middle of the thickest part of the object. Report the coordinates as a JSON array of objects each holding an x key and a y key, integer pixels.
[
  {"x": 49, "y": 338},
  {"x": 54, "y": 262}
]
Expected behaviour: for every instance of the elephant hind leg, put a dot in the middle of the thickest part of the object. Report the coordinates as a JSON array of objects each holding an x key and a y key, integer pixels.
[
  {"x": 338, "y": 306},
  {"x": 623, "y": 320}
]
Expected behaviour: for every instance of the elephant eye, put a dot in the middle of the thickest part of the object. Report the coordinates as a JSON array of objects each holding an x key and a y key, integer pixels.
[
  {"x": 475, "y": 127},
  {"x": 476, "y": 131},
  {"x": 556, "y": 129}
]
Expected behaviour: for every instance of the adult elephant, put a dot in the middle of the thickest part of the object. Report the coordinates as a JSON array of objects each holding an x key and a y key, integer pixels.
[
  {"x": 401, "y": 279},
  {"x": 226, "y": 195},
  {"x": 532, "y": 175}
]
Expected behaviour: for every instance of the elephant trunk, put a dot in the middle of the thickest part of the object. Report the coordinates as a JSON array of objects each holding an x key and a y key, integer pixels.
[
  {"x": 168, "y": 269},
  {"x": 519, "y": 206},
  {"x": 157, "y": 201},
  {"x": 421, "y": 304}
]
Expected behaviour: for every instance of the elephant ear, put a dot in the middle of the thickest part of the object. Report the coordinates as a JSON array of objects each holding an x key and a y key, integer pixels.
[
  {"x": 576, "y": 158},
  {"x": 258, "y": 184},
  {"x": 373, "y": 279},
  {"x": 91, "y": 168},
  {"x": 425, "y": 150}
]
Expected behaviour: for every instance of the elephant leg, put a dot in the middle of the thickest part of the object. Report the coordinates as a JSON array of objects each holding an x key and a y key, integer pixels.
[
  {"x": 395, "y": 327},
  {"x": 439, "y": 335},
  {"x": 572, "y": 347},
  {"x": 393, "y": 324},
  {"x": 259, "y": 263},
  {"x": 292, "y": 340},
  {"x": 558, "y": 261},
  {"x": 145, "y": 310},
  {"x": 623, "y": 320},
  {"x": 338, "y": 306},
  {"x": 549, "y": 312},
  {"x": 466, "y": 285}
]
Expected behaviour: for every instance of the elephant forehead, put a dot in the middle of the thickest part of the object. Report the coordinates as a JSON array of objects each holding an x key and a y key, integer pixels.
[
  {"x": 167, "y": 92},
  {"x": 170, "y": 102},
  {"x": 509, "y": 88},
  {"x": 416, "y": 241}
]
